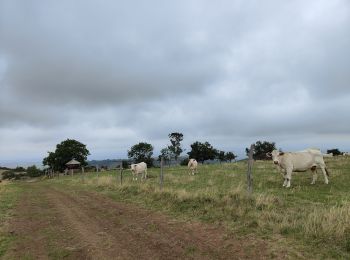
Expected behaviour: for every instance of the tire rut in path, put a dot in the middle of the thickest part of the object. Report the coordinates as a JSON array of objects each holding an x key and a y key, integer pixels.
[
  {"x": 50, "y": 221},
  {"x": 112, "y": 229}
]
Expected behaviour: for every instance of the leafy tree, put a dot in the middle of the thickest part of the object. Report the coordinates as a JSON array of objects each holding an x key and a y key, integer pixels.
[
  {"x": 221, "y": 155},
  {"x": 230, "y": 156},
  {"x": 166, "y": 154},
  {"x": 66, "y": 151},
  {"x": 141, "y": 152},
  {"x": 184, "y": 162},
  {"x": 175, "y": 147},
  {"x": 335, "y": 152},
  {"x": 202, "y": 151},
  {"x": 125, "y": 164},
  {"x": 33, "y": 171},
  {"x": 260, "y": 150}
]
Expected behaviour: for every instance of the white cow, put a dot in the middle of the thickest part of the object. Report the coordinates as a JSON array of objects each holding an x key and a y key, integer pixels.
[
  {"x": 300, "y": 162},
  {"x": 139, "y": 168},
  {"x": 346, "y": 154},
  {"x": 192, "y": 166}
]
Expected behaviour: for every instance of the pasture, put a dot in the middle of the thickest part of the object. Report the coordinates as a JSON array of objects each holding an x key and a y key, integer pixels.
[{"x": 305, "y": 221}]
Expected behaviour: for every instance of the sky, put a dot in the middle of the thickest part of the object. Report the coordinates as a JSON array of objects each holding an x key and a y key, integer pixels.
[{"x": 111, "y": 74}]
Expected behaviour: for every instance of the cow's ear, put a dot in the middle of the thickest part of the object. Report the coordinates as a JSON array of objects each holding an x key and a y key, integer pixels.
[
  {"x": 268, "y": 155},
  {"x": 281, "y": 153}
]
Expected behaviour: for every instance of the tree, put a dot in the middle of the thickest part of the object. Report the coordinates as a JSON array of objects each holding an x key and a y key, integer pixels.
[
  {"x": 221, "y": 156},
  {"x": 166, "y": 154},
  {"x": 141, "y": 152},
  {"x": 202, "y": 151},
  {"x": 66, "y": 151},
  {"x": 261, "y": 148},
  {"x": 230, "y": 156},
  {"x": 175, "y": 147},
  {"x": 335, "y": 152}
]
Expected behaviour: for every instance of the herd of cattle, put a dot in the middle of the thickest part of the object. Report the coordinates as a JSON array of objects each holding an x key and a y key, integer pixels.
[{"x": 286, "y": 162}]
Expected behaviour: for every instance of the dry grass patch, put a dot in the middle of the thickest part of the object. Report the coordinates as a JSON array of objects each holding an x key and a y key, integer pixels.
[{"x": 332, "y": 223}]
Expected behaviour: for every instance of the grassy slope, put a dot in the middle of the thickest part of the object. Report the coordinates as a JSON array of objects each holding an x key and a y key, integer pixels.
[{"x": 307, "y": 220}]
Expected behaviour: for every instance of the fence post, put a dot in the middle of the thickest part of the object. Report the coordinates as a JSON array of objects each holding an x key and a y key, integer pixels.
[
  {"x": 83, "y": 174},
  {"x": 161, "y": 173},
  {"x": 249, "y": 172},
  {"x": 121, "y": 174}
]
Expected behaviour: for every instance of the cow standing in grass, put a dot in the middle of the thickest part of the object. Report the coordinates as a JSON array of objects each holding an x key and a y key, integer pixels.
[
  {"x": 192, "y": 166},
  {"x": 300, "y": 162},
  {"x": 139, "y": 168}
]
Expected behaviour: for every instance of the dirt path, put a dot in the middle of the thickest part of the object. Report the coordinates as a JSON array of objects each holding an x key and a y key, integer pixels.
[{"x": 53, "y": 224}]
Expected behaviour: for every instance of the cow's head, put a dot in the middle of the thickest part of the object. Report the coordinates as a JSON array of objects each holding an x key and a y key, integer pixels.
[
  {"x": 133, "y": 167},
  {"x": 275, "y": 154}
]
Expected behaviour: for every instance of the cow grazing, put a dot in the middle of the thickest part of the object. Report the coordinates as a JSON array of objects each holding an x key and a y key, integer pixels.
[
  {"x": 139, "y": 168},
  {"x": 192, "y": 166},
  {"x": 300, "y": 162}
]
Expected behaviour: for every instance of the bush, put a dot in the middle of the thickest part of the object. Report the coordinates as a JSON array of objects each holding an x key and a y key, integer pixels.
[
  {"x": 12, "y": 174},
  {"x": 184, "y": 162},
  {"x": 33, "y": 171}
]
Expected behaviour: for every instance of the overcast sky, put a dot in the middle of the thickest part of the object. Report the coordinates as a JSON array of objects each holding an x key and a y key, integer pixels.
[{"x": 112, "y": 73}]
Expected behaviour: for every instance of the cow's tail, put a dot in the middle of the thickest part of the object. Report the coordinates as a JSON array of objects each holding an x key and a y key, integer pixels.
[{"x": 327, "y": 172}]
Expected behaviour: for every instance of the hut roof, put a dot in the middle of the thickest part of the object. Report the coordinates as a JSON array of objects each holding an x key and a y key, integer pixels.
[{"x": 73, "y": 162}]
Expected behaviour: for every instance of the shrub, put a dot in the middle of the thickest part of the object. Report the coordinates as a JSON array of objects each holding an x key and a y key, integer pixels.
[
  {"x": 184, "y": 162},
  {"x": 33, "y": 171}
]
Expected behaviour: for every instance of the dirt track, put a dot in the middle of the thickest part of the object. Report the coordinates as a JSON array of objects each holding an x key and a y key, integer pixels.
[{"x": 50, "y": 223}]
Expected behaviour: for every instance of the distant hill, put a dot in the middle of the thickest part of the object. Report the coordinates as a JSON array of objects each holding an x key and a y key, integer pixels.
[{"x": 109, "y": 163}]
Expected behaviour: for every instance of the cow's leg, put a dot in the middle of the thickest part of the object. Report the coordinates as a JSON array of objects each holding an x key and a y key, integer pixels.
[
  {"x": 324, "y": 174},
  {"x": 285, "y": 181},
  {"x": 288, "y": 177},
  {"x": 284, "y": 174},
  {"x": 314, "y": 174}
]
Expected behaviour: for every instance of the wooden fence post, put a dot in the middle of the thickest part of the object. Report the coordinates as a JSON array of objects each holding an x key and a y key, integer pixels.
[
  {"x": 249, "y": 172},
  {"x": 83, "y": 174},
  {"x": 161, "y": 173},
  {"x": 121, "y": 174}
]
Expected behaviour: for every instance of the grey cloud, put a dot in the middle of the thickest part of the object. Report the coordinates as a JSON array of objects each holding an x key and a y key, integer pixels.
[{"x": 117, "y": 73}]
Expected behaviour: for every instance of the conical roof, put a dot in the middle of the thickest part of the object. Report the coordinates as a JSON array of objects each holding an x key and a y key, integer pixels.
[{"x": 73, "y": 162}]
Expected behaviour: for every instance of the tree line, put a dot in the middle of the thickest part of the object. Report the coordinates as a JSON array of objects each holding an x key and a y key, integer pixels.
[{"x": 143, "y": 152}]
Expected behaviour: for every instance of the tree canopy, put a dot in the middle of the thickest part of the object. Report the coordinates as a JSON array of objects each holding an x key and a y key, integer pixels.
[
  {"x": 202, "y": 151},
  {"x": 141, "y": 152},
  {"x": 66, "y": 151},
  {"x": 175, "y": 147},
  {"x": 260, "y": 150},
  {"x": 335, "y": 152}
]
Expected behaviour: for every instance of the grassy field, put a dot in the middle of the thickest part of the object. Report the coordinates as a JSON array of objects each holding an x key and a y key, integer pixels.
[
  {"x": 308, "y": 221},
  {"x": 9, "y": 195}
]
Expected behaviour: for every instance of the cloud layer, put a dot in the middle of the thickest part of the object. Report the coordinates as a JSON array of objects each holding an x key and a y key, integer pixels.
[{"x": 112, "y": 74}]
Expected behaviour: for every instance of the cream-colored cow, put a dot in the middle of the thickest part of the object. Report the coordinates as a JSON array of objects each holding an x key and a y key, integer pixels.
[
  {"x": 192, "y": 166},
  {"x": 139, "y": 168},
  {"x": 300, "y": 162}
]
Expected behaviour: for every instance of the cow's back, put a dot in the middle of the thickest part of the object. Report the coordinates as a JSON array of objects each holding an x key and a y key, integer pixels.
[{"x": 298, "y": 161}]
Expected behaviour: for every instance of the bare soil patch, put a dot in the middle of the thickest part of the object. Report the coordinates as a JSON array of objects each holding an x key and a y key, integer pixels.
[{"x": 50, "y": 223}]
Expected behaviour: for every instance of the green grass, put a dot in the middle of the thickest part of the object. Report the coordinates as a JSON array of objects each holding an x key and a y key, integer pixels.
[
  {"x": 9, "y": 195},
  {"x": 312, "y": 220}
]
